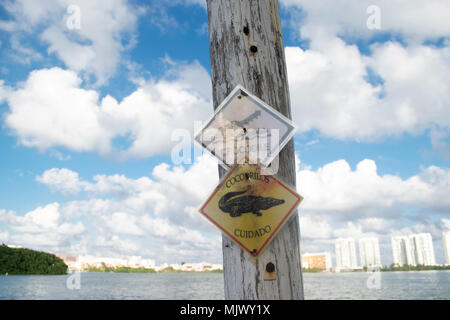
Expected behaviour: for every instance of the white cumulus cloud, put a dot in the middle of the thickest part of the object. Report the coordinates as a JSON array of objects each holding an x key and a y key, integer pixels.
[
  {"x": 52, "y": 110},
  {"x": 44, "y": 226},
  {"x": 416, "y": 20},
  {"x": 157, "y": 215},
  {"x": 106, "y": 29},
  {"x": 336, "y": 187},
  {"x": 61, "y": 180},
  {"x": 331, "y": 91}
]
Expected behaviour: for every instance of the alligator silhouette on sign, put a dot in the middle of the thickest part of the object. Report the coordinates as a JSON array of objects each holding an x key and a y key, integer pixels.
[
  {"x": 250, "y": 118},
  {"x": 246, "y": 204}
]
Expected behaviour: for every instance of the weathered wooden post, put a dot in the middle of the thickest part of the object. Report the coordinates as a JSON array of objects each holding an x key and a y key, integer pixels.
[{"x": 246, "y": 47}]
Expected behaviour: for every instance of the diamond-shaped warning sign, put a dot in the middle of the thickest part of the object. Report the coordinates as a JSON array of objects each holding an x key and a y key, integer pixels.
[
  {"x": 249, "y": 207},
  {"x": 243, "y": 126}
]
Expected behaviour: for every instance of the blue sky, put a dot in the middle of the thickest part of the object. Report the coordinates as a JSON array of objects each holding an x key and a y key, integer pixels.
[{"x": 87, "y": 116}]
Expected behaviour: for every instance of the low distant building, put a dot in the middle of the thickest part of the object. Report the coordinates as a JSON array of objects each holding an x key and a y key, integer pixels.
[
  {"x": 320, "y": 261},
  {"x": 83, "y": 263},
  {"x": 200, "y": 267},
  {"x": 195, "y": 267}
]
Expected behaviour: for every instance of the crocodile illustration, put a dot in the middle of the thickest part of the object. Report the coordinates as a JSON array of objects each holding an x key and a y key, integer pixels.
[
  {"x": 246, "y": 204},
  {"x": 250, "y": 118}
]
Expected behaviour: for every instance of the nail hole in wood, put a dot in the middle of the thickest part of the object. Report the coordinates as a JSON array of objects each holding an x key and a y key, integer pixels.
[
  {"x": 253, "y": 49},
  {"x": 246, "y": 30},
  {"x": 270, "y": 267}
]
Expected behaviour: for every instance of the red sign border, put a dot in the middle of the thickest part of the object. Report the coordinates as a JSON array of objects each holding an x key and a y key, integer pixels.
[{"x": 202, "y": 211}]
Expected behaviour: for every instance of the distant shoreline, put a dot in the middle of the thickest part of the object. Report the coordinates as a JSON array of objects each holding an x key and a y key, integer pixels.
[
  {"x": 144, "y": 270},
  {"x": 133, "y": 272},
  {"x": 205, "y": 272},
  {"x": 171, "y": 270},
  {"x": 384, "y": 269},
  {"x": 415, "y": 268}
]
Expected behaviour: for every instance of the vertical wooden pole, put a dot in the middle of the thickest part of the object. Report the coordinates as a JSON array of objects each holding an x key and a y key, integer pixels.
[{"x": 246, "y": 47}]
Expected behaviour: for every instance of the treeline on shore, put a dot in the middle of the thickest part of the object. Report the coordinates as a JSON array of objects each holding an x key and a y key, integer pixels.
[
  {"x": 105, "y": 268},
  {"x": 18, "y": 261}
]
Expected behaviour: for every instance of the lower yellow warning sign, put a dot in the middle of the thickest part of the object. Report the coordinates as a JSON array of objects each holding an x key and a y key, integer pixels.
[{"x": 249, "y": 207}]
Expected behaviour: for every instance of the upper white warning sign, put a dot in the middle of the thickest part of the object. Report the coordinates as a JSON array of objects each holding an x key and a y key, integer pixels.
[{"x": 245, "y": 129}]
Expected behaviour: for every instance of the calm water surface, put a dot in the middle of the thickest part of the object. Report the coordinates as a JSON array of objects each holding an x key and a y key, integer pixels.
[{"x": 182, "y": 286}]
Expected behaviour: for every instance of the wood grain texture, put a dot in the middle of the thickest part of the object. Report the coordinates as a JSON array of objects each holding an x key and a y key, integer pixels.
[{"x": 264, "y": 74}]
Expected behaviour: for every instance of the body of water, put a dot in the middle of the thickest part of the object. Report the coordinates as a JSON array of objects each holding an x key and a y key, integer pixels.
[{"x": 199, "y": 286}]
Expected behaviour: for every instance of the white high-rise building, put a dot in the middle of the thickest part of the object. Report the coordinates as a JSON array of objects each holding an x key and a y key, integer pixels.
[
  {"x": 401, "y": 250},
  {"x": 446, "y": 240},
  {"x": 415, "y": 249},
  {"x": 369, "y": 252},
  {"x": 424, "y": 250},
  {"x": 345, "y": 254}
]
